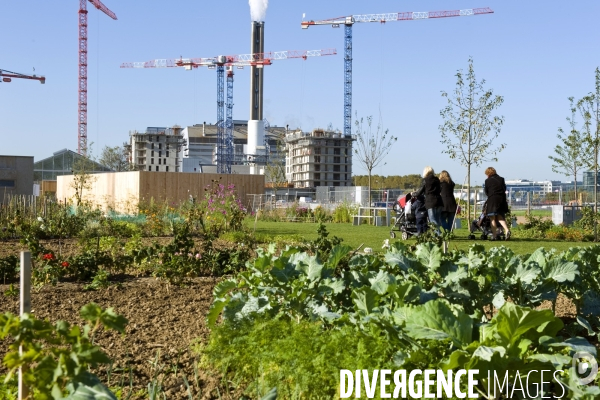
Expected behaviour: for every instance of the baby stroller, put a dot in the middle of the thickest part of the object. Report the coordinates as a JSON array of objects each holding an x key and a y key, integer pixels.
[
  {"x": 483, "y": 224},
  {"x": 406, "y": 221}
]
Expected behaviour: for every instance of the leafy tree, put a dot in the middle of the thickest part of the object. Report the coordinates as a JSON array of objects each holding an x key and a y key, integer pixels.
[
  {"x": 372, "y": 145},
  {"x": 470, "y": 128},
  {"x": 571, "y": 155},
  {"x": 589, "y": 107},
  {"x": 275, "y": 168},
  {"x": 115, "y": 158}
]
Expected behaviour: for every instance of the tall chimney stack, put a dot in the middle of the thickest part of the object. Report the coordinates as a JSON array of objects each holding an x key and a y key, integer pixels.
[
  {"x": 257, "y": 45},
  {"x": 256, "y": 130}
]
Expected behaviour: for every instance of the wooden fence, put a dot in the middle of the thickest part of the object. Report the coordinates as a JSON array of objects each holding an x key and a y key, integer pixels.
[
  {"x": 123, "y": 191},
  {"x": 28, "y": 206}
]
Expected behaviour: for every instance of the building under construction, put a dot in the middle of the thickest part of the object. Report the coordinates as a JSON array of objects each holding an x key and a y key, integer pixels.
[
  {"x": 319, "y": 158},
  {"x": 157, "y": 149}
]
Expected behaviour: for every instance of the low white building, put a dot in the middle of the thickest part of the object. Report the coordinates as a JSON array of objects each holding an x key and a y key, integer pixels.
[{"x": 527, "y": 185}]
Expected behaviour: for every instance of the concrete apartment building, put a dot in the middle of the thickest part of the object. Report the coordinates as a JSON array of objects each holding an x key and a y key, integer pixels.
[
  {"x": 201, "y": 148},
  {"x": 16, "y": 175},
  {"x": 156, "y": 149},
  {"x": 319, "y": 158}
]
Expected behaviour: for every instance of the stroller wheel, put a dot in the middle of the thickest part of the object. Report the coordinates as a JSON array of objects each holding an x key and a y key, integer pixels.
[
  {"x": 392, "y": 234},
  {"x": 483, "y": 237},
  {"x": 471, "y": 237},
  {"x": 404, "y": 235}
]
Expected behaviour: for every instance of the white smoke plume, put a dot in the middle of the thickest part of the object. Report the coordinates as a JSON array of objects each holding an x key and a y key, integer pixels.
[{"x": 258, "y": 9}]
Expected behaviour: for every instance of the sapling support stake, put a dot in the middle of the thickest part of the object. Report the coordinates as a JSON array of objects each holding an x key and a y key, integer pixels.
[
  {"x": 25, "y": 307},
  {"x": 456, "y": 211}
]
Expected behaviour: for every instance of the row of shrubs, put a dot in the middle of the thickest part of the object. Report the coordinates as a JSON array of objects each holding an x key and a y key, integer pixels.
[
  {"x": 301, "y": 213},
  {"x": 542, "y": 228}
]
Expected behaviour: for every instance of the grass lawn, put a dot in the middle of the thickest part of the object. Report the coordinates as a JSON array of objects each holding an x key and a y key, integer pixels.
[
  {"x": 373, "y": 236},
  {"x": 542, "y": 212}
]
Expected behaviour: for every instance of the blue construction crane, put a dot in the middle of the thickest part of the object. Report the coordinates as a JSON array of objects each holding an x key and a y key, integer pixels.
[{"x": 381, "y": 18}]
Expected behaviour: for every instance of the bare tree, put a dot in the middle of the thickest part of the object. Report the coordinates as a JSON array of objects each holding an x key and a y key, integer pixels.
[
  {"x": 372, "y": 145},
  {"x": 469, "y": 129},
  {"x": 589, "y": 107},
  {"x": 571, "y": 155}
]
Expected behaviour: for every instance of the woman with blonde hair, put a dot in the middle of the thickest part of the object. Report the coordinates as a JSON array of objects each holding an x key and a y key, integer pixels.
[
  {"x": 497, "y": 206},
  {"x": 433, "y": 200},
  {"x": 447, "y": 193}
]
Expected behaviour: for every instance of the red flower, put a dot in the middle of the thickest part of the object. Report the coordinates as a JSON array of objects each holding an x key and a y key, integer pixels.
[
  {"x": 48, "y": 256},
  {"x": 65, "y": 264}
]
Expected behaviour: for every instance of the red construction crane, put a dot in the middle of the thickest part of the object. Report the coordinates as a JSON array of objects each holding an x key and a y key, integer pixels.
[
  {"x": 8, "y": 75},
  {"x": 350, "y": 20},
  {"x": 82, "y": 111},
  {"x": 225, "y": 124}
]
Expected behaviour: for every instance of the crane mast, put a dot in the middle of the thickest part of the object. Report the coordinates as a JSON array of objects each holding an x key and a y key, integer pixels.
[
  {"x": 82, "y": 66},
  {"x": 350, "y": 20}
]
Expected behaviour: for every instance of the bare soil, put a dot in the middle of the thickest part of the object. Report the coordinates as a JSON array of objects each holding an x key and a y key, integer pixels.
[{"x": 163, "y": 323}]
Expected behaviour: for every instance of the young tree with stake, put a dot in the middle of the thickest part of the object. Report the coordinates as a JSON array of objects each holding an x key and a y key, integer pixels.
[
  {"x": 589, "y": 107},
  {"x": 83, "y": 178},
  {"x": 372, "y": 145},
  {"x": 571, "y": 155},
  {"x": 470, "y": 128}
]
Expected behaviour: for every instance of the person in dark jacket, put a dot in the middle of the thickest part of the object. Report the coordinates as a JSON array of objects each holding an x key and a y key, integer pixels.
[
  {"x": 497, "y": 207},
  {"x": 420, "y": 213},
  {"x": 433, "y": 200},
  {"x": 447, "y": 193}
]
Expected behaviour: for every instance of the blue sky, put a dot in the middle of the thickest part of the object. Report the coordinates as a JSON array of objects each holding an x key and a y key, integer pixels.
[{"x": 535, "y": 54}]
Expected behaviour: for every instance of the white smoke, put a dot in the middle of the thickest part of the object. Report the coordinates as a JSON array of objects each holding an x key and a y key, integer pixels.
[{"x": 258, "y": 9}]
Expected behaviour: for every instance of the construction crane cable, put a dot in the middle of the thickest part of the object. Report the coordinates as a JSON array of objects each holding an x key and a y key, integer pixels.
[
  {"x": 97, "y": 76},
  {"x": 382, "y": 58},
  {"x": 302, "y": 95}
]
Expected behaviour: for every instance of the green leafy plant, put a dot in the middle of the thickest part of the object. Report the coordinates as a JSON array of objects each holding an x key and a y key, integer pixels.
[
  {"x": 218, "y": 211},
  {"x": 176, "y": 261},
  {"x": 9, "y": 267},
  {"x": 11, "y": 291},
  {"x": 344, "y": 211},
  {"x": 100, "y": 281},
  {"x": 56, "y": 358},
  {"x": 323, "y": 244},
  {"x": 433, "y": 310}
]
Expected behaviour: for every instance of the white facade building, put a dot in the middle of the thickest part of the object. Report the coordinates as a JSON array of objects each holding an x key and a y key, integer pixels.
[{"x": 544, "y": 186}]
